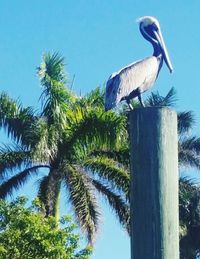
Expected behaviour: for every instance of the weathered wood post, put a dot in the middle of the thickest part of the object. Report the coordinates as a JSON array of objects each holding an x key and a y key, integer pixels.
[{"x": 154, "y": 184}]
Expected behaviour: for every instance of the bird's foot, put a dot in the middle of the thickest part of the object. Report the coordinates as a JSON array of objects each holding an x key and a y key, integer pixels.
[
  {"x": 130, "y": 106},
  {"x": 127, "y": 99},
  {"x": 140, "y": 100}
]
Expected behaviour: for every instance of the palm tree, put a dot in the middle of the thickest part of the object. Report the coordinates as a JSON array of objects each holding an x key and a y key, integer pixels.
[
  {"x": 62, "y": 137},
  {"x": 189, "y": 200}
]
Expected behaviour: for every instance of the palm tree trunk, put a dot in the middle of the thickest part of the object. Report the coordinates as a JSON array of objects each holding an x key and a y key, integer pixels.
[
  {"x": 53, "y": 194},
  {"x": 57, "y": 207}
]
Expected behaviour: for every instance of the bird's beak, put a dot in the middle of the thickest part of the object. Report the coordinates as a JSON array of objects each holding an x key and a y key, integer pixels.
[{"x": 160, "y": 39}]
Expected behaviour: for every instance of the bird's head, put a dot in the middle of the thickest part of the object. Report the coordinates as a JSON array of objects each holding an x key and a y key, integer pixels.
[{"x": 150, "y": 29}]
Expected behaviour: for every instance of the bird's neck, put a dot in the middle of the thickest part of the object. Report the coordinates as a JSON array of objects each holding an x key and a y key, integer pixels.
[
  {"x": 157, "y": 52},
  {"x": 156, "y": 49},
  {"x": 160, "y": 62}
]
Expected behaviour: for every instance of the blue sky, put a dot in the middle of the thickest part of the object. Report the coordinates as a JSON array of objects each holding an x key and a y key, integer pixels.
[{"x": 98, "y": 37}]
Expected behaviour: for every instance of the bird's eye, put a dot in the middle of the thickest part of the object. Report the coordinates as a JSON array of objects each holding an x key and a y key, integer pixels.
[{"x": 155, "y": 27}]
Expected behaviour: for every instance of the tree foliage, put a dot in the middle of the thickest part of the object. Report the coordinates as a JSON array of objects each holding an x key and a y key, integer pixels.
[
  {"x": 69, "y": 137},
  {"x": 84, "y": 148},
  {"x": 189, "y": 210},
  {"x": 25, "y": 233}
]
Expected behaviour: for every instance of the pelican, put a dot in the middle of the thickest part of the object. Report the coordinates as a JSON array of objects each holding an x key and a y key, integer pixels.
[{"x": 136, "y": 78}]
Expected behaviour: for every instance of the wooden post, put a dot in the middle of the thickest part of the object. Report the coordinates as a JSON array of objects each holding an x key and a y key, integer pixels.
[{"x": 154, "y": 184}]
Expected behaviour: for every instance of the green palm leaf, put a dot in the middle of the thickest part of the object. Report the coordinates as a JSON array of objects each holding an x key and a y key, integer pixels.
[
  {"x": 94, "y": 99},
  {"x": 51, "y": 68},
  {"x": 189, "y": 211},
  {"x": 96, "y": 128},
  {"x": 8, "y": 107},
  {"x": 19, "y": 128},
  {"x": 55, "y": 97},
  {"x": 83, "y": 200},
  {"x": 189, "y": 152},
  {"x": 157, "y": 100},
  {"x": 121, "y": 155},
  {"x": 185, "y": 121},
  {"x": 108, "y": 169},
  {"x": 12, "y": 158},
  {"x": 115, "y": 201},
  {"x": 17, "y": 181},
  {"x": 15, "y": 119}
]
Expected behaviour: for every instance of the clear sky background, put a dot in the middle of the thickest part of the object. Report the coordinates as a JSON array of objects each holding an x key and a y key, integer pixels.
[{"x": 98, "y": 37}]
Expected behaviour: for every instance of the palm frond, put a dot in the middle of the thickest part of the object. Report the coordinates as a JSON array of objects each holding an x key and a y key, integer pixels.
[
  {"x": 8, "y": 107},
  {"x": 189, "y": 214},
  {"x": 19, "y": 127},
  {"x": 167, "y": 101},
  {"x": 189, "y": 152},
  {"x": 55, "y": 96},
  {"x": 46, "y": 139},
  {"x": 119, "y": 206},
  {"x": 108, "y": 169},
  {"x": 55, "y": 103},
  {"x": 51, "y": 67},
  {"x": 189, "y": 159},
  {"x": 122, "y": 155},
  {"x": 191, "y": 143},
  {"x": 13, "y": 157},
  {"x": 15, "y": 119},
  {"x": 95, "y": 129},
  {"x": 17, "y": 181},
  {"x": 189, "y": 202},
  {"x": 185, "y": 121},
  {"x": 94, "y": 99},
  {"x": 81, "y": 195}
]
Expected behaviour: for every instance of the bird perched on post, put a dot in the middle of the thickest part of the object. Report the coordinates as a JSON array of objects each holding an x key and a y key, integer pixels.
[{"x": 136, "y": 78}]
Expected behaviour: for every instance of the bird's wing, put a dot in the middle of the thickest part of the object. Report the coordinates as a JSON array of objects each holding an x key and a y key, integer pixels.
[{"x": 141, "y": 74}]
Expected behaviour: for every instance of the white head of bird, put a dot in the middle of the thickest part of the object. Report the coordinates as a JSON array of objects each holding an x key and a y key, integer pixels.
[
  {"x": 138, "y": 77},
  {"x": 150, "y": 29},
  {"x": 148, "y": 20}
]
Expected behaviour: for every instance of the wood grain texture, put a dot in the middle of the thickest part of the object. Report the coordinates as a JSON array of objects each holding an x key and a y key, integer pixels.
[{"x": 154, "y": 184}]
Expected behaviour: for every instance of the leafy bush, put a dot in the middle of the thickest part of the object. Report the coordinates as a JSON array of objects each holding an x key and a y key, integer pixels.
[{"x": 25, "y": 233}]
